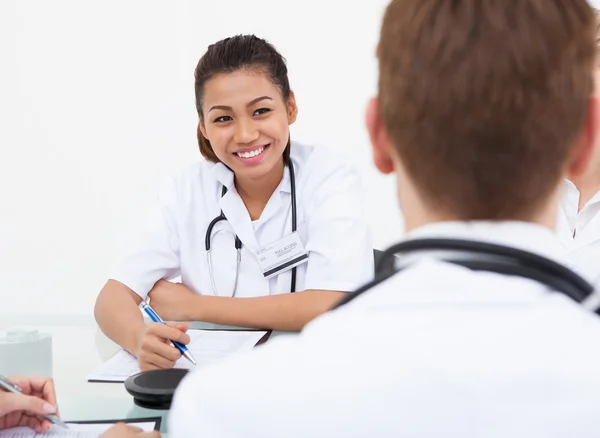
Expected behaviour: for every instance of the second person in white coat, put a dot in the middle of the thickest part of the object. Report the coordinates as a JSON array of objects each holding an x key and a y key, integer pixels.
[{"x": 280, "y": 200}]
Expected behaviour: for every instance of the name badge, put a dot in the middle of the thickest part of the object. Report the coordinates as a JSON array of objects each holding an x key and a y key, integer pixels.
[{"x": 281, "y": 255}]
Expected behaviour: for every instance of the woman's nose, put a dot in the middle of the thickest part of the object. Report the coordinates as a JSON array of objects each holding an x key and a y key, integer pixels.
[{"x": 245, "y": 132}]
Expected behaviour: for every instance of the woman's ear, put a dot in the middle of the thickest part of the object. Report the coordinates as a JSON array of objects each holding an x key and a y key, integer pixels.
[
  {"x": 292, "y": 108},
  {"x": 201, "y": 128},
  {"x": 380, "y": 142}
]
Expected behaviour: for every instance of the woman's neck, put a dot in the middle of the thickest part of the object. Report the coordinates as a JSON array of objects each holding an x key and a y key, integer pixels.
[{"x": 256, "y": 192}]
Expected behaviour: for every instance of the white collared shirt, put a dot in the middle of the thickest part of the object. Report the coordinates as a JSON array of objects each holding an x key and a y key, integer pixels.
[
  {"x": 330, "y": 223},
  {"x": 579, "y": 231},
  {"x": 436, "y": 350}
]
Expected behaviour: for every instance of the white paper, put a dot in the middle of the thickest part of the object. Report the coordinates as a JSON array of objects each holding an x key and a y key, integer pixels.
[
  {"x": 206, "y": 346},
  {"x": 92, "y": 430}
]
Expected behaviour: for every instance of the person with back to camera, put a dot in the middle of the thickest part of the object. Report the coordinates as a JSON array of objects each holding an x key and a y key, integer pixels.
[
  {"x": 483, "y": 108},
  {"x": 258, "y": 197}
]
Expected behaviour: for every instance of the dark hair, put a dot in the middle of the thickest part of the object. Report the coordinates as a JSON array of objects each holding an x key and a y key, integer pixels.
[
  {"x": 483, "y": 100},
  {"x": 240, "y": 52}
]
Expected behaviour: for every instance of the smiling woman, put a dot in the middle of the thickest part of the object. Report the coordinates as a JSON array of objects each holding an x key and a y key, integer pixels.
[{"x": 261, "y": 217}]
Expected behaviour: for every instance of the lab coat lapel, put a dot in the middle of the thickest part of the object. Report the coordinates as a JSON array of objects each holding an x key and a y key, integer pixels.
[
  {"x": 233, "y": 207},
  {"x": 236, "y": 213}
]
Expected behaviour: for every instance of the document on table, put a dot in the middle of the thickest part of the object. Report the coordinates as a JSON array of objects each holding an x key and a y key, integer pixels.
[
  {"x": 84, "y": 429},
  {"x": 206, "y": 346}
]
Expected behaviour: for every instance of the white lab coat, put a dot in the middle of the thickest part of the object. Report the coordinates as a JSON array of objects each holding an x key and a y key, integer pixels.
[
  {"x": 330, "y": 223},
  {"x": 579, "y": 231},
  {"x": 435, "y": 351}
]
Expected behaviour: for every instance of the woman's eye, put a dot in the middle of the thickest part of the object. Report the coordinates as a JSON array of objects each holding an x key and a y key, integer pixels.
[
  {"x": 260, "y": 111},
  {"x": 222, "y": 119}
]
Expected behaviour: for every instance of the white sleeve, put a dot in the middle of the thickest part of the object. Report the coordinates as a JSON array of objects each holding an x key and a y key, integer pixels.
[
  {"x": 339, "y": 240},
  {"x": 155, "y": 255}
]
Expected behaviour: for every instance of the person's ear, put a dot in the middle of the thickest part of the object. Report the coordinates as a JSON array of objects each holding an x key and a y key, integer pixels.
[
  {"x": 380, "y": 142},
  {"x": 585, "y": 148},
  {"x": 202, "y": 128},
  {"x": 292, "y": 108}
]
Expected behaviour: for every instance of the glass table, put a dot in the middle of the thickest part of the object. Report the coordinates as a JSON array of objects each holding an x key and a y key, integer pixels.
[{"x": 78, "y": 348}]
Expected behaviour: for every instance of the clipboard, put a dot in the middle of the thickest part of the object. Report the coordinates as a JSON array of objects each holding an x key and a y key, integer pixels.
[
  {"x": 132, "y": 421},
  {"x": 101, "y": 427}
]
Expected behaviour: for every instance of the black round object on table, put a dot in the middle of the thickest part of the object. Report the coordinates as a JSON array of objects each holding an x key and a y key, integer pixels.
[{"x": 154, "y": 389}]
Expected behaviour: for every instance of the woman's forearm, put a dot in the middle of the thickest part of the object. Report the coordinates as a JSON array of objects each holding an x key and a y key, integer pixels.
[
  {"x": 117, "y": 313},
  {"x": 286, "y": 312}
]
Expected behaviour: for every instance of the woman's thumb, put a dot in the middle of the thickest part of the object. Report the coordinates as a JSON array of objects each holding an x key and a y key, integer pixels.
[{"x": 10, "y": 402}]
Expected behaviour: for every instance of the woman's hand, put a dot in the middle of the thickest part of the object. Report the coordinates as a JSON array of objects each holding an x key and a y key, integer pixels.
[
  {"x": 26, "y": 409},
  {"x": 155, "y": 350}
]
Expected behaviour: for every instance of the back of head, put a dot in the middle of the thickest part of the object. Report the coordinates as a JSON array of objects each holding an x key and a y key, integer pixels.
[{"x": 484, "y": 99}]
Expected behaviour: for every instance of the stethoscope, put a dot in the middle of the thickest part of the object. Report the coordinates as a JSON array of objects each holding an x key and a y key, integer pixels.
[
  {"x": 238, "y": 242},
  {"x": 482, "y": 256}
]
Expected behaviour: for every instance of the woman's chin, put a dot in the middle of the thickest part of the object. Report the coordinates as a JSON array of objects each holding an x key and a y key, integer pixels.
[{"x": 257, "y": 171}]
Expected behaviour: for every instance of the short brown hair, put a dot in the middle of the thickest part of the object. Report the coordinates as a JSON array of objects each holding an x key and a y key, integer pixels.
[
  {"x": 484, "y": 99},
  {"x": 239, "y": 52}
]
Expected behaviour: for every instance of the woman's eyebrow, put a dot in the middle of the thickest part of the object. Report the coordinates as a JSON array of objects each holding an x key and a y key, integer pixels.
[{"x": 228, "y": 108}]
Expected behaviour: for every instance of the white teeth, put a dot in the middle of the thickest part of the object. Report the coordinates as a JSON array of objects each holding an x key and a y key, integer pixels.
[{"x": 251, "y": 154}]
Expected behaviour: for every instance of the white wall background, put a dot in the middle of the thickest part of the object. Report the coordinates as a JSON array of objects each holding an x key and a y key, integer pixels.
[{"x": 97, "y": 106}]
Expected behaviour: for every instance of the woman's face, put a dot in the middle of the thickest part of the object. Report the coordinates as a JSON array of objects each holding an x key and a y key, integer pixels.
[{"x": 247, "y": 122}]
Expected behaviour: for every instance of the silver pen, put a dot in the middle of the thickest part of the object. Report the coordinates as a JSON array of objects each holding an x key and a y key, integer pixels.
[{"x": 8, "y": 386}]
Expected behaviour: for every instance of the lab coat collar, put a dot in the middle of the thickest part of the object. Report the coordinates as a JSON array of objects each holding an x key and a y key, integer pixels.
[
  {"x": 595, "y": 198},
  {"x": 567, "y": 224},
  {"x": 526, "y": 236},
  {"x": 569, "y": 201},
  {"x": 234, "y": 209},
  {"x": 223, "y": 175},
  {"x": 570, "y": 198},
  {"x": 286, "y": 183}
]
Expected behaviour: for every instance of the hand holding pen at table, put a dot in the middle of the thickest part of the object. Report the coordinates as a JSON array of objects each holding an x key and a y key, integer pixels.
[
  {"x": 155, "y": 349},
  {"x": 38, "y": 398}
]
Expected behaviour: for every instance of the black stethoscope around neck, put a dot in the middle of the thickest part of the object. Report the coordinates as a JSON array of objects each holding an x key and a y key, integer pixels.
[
  {"x": 483, "y": 256},
  {"x": 238, "y": 242}
]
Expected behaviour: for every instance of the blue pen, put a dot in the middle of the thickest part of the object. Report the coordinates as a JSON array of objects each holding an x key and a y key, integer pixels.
[{"x": 154, "y": 316}]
